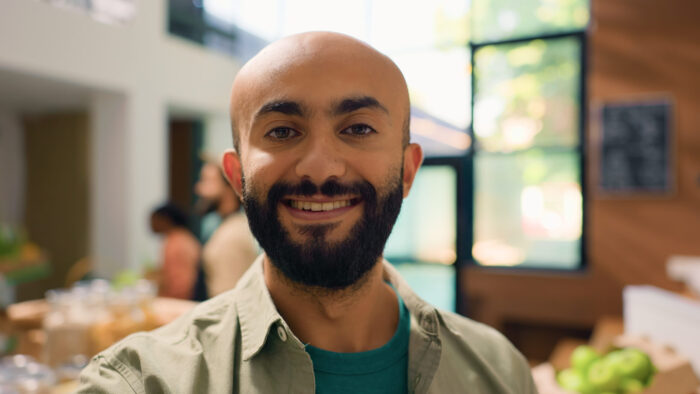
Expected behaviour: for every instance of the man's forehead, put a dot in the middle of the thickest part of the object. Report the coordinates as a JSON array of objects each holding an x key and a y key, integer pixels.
[
  {"x": 305, "y": 47},
  {"x": 285, "y": 76},
  {"x": 316, "y": 70}
]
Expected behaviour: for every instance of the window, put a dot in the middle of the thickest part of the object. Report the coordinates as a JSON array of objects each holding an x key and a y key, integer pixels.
[
  {"x": 118, "y": 12},
  {"x": 424, "y": 244},
  {"x": 527, "y": 125}
]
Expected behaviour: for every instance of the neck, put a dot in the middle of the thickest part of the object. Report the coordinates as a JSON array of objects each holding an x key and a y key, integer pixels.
[
  {"x": 361, "y": 317},
  {"x": 227, "y": 205}
]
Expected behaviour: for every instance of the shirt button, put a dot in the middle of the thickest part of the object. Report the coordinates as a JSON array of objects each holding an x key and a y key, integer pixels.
[
  {"x": 416, "y": 380},
  {"x": 282, "y": 333}
]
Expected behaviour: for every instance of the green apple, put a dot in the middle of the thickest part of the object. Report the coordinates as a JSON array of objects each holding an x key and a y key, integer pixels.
[
  {"x": 582, "y": 358},
  {"x": 631, "y": 385},
  {"x": 602, "y": 376},
  {"x": 632, "y": 363},
  {"x": 573, "y": 380}
]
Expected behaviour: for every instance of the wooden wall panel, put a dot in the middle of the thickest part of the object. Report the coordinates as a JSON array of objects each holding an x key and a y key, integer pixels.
[
  {"x": 57, "y": 199},
  {"x": 637, "y": 48},
  {"x": 643, "y": 48},
  {"x": 180, "y": 164}
]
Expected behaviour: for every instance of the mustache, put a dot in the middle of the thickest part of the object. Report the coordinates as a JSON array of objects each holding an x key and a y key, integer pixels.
[{"x": 329, "y": 188}]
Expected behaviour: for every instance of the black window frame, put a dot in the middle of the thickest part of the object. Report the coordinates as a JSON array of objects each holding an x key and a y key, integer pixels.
[{"x": 581, "y": 149}]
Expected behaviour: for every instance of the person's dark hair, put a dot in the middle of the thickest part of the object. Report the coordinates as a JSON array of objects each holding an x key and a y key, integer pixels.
[{"x": 172, "y": 213}]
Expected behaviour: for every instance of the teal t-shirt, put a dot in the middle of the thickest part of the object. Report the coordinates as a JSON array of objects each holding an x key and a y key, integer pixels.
[
  {"x": 382, "y": 370},
  {"x": 210, "y": 222}
]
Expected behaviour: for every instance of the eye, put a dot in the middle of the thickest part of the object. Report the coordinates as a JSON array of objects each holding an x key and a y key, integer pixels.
[
  {"x": 359, "y": 130},
  {"x": 282, "y": 133}
]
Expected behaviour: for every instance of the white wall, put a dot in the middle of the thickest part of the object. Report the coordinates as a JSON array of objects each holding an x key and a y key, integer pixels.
[
  {"x": 136, "y": 72},
  {"x": 218, "y": 137}
]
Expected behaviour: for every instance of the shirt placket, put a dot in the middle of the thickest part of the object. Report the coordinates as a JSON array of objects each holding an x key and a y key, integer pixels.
[{"x": 424, "y": 353}]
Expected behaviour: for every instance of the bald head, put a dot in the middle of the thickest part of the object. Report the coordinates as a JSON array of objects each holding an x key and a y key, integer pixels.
[{"x": 322, "y": 65}]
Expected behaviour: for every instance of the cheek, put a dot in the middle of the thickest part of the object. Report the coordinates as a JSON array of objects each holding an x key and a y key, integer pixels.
[
  {"x": 261, "y": 168},
  {"x": 380, "y": 170}
]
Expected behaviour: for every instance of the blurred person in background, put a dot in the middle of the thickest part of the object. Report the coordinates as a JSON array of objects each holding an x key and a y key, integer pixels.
[
  {"x": 229, "y": 246},
  {"x": 231, "y": 249},
  {"x": 216, "y": 199},
  {"x": 212, "y": 205},
  {"x": 180, "y": 252}
]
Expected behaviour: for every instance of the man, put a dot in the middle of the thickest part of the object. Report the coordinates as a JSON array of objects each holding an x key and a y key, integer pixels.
[
  {"x": 216, "y": 199},
  {"x": 320, "y": 124},
  {"x": 231, "y": 249}
]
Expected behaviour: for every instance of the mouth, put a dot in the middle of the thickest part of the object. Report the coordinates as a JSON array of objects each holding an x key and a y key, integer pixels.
[
  {"x": 320, "y": 206},
  {"x": 319, "y": 209}
]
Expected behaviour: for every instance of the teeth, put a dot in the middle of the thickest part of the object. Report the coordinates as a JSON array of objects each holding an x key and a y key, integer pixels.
[{"x": 317, "y": 206}]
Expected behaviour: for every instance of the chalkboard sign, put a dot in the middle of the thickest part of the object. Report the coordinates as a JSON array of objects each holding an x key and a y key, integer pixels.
[{"x": 635, "y": 148}]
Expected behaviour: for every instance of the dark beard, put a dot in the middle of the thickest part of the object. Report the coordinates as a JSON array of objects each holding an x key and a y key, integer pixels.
[{"x": 318, "y": 263}]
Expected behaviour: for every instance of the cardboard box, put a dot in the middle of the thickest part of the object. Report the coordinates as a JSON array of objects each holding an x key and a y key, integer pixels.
[
  {"x": 674, "y": 376},
  {"x": 664, "y": 317}
]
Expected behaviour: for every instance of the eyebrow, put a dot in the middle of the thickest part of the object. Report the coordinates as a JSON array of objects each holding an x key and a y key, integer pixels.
[
  {"x": 352, "y": 104},
  {"x": 344, "y": 106},
  {"x": 281, "y": 106}
]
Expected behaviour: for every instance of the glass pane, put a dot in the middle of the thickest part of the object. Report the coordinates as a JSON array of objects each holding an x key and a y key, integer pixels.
[
  {"x": 426, "y": 227},
  {"x": 527, "y": 95},
  {"x": 400, "y": 25},
  {"x": 438, "y": 83},
  {"x": 111, "y": 12},
  {"x": 348, "y": 17},
  {"x": 506, "y": 19},
  {"x": 434, "y": 283},
  {"x": 528, "y": 209}
]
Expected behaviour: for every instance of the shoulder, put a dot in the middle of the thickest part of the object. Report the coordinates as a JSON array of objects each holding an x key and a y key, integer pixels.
[
  {"x": 238, "y": 222},
  {"x": 232, "y": 226},
  {"x": 481, "y": 348},
  {"x": 157, "y": 358},
  {"x": 481, "y": 338},
  {"x": 210, "y": 317}
]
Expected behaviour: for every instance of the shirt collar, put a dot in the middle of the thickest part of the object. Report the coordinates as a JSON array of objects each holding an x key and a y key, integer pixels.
[
  {"x": 258, "y": 314},
  {"x": 425, "y": 314},
  {"x": 256, "y": 311}
]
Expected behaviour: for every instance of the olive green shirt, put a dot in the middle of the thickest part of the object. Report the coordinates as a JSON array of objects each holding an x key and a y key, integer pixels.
[{"x": 238, "y": 343}]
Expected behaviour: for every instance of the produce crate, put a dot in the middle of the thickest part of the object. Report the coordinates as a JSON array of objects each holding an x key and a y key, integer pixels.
[{"x": 674, "y": 372}]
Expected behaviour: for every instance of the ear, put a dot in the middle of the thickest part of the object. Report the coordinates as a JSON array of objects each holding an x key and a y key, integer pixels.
[
  {"x": 412, "y": 159},
  {"x": 231, "y": 163}
]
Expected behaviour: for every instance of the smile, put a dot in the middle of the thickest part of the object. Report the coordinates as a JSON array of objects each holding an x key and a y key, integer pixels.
[
  {"x": 319, "y": 206},
  {"x": 319, "y": 210}
]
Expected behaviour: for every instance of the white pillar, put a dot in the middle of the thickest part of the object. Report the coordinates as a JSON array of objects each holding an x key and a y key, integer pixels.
[
  {"x": 108, "y": 186},
  {"x": 129, "y": 178},
  {"x": 147, "y": 172}
]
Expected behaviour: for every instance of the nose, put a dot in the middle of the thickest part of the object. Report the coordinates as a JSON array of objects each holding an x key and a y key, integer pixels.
[{"x": 321, "y": 158}]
